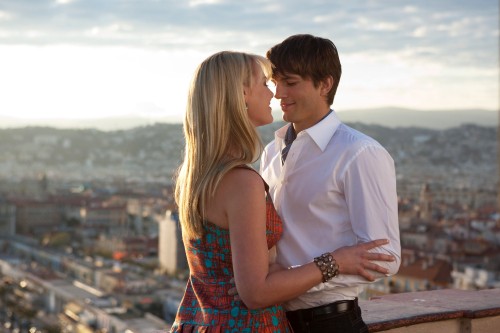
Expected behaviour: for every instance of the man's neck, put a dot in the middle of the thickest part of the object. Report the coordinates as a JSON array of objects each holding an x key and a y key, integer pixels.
[{"x": 299, "y": 127}]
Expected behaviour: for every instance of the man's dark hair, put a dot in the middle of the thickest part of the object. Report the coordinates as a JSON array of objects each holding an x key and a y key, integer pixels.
[{"x": 311, "y": 57}]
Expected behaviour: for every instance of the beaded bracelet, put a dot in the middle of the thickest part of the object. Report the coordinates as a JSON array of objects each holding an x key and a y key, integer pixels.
[{"x": 327, "y": 265}]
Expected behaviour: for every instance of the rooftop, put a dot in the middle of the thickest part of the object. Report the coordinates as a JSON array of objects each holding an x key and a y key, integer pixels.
[{"x": 447, "y": 310}]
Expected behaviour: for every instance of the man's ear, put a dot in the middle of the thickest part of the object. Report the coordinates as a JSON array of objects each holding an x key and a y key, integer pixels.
[{"x": 326, "y": 85}]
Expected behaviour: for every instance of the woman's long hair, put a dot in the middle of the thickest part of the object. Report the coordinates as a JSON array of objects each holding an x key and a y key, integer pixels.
[{"x": 218, "y": 133}]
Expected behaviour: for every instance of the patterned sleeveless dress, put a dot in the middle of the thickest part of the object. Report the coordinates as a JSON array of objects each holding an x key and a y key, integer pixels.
[{"x": 206, "y": 305}]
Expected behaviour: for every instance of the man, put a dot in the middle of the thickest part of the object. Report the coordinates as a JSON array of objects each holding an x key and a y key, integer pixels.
[{"x": 334, "y": 186}]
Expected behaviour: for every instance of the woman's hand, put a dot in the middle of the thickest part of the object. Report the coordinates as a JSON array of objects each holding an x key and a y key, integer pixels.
[{"x": 357, "y": 260}]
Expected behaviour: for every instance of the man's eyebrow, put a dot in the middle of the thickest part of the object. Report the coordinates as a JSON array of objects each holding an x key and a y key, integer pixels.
[{"x": 287, "y": 77}]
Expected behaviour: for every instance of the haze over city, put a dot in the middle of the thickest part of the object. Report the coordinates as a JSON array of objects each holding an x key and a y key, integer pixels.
[
  {"x": 90, "y": 236},
  {"x": 73, "y": 59}
]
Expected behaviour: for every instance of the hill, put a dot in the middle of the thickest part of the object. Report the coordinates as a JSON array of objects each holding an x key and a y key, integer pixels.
[
  {"x": 388, "y": 117},
  {"x": 459, "y": 156},
  {"x": 399, "y": 117}
]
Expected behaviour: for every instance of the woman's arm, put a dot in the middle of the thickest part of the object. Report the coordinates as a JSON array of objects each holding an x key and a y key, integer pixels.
[{"x": 245, "y": 207}]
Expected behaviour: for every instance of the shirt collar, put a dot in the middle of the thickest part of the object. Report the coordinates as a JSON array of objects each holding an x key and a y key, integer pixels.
[{"x": 322, "y": 132}]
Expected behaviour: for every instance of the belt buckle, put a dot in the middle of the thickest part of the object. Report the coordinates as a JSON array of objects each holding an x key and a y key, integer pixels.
[
  {"x": 342, "y": 307},
  {"x": 308, "y": 315},
  {"x": 332, "y": 308}
]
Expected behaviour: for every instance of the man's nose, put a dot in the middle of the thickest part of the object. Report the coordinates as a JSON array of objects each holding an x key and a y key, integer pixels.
[{"x": 280, "y": 92}]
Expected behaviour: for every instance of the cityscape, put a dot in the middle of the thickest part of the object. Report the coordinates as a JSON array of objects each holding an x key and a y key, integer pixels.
[{"x": 90, "y": 238}]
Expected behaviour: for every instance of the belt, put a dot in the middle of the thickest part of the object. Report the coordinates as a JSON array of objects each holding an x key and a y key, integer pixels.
[{"x": 328, "y": 309}]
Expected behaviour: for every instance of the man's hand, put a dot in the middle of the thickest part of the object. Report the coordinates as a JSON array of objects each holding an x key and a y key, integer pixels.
[
  {"x": 357, "y": 260},
  {"x": 233, "y": 291}
]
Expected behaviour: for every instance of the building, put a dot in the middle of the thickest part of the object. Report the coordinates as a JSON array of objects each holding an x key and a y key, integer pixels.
[
  {"x": 420, "y": 271},
  {"x": 7, "y": 217},
  {"x": 104, "y": 218},
  {"x": 171, "y": 253},
  {"x": 35, "y": 216}
]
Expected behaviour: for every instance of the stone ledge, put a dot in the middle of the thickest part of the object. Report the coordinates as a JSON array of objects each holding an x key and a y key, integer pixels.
[{"x": 407, "y": 309}]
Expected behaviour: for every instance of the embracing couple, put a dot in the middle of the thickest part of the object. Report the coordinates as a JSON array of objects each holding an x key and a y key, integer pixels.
[{"x": 285, "y": 249}]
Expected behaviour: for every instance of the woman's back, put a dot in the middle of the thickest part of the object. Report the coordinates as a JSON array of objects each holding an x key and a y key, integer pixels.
[{"x": 206, "y": 305}]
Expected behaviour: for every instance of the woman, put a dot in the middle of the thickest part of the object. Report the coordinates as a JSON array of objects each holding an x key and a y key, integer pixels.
[{"x": 228, "y": 223}]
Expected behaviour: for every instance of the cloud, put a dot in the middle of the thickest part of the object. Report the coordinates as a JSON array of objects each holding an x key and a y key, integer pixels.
[
  {"x": 420, "y": 32},
  {"x": 141, "y": 22},
  {"x": 460, "y": 32},
  {"x": 5, "y": 16},
  {"x": 446, "y": 45},
  {"x": 391, "y": 25},
  {"x": 195, "y": 3},
  {"x": 64, "y": 2}
]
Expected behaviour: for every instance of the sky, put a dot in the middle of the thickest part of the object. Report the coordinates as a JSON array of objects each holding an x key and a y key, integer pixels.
[{"x": 81, "y": 59}]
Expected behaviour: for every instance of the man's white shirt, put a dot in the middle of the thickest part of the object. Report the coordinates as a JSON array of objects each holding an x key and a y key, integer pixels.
[{"x": 337, "y": 188}]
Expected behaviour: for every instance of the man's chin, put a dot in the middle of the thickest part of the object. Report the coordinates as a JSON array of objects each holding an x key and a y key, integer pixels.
[{"x": 286, "y": 118}]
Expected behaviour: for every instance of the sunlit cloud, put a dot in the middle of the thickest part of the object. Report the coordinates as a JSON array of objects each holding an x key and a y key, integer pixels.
[
  {"x": 87, "y": 83},
  {"x": 385, "y": 26},
  {"x": 109, "y": 30},
  {"x": 271, "y": 8},
  {"x": 64, "y": 2},
  {"x": 5, "y": 16},
  {"x": 368, "y": 24},
  {"x": 410, "y": 9},
  {"x": 323, "y": 18},
  {"x": 34, "y": 34},
  {"x": 455, "y": 28},
  {"x": 195, "y": 3},
  {"x": 70, "y": 57},
  {"x": 413, "y": 83},
  {"x": 420, "y": 32}
]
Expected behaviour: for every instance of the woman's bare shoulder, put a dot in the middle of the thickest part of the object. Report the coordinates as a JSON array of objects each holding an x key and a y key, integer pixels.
[
  {"x": 238, "y": 189},
  {"x": 241, "y": 179}
]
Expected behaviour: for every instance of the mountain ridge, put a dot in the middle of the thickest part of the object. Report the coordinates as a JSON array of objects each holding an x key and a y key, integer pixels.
[
  {"x": 389, "y": 116},
  {"x": 434, "y": 119},
  {"x": 464, "y": 154}
]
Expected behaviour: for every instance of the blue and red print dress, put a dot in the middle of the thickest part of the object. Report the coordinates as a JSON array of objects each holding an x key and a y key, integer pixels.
[{"x": 206, "y": 305}]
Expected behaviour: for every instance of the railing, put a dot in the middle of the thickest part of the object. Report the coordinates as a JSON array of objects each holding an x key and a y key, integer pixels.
[{"x": 447, "y": 310}]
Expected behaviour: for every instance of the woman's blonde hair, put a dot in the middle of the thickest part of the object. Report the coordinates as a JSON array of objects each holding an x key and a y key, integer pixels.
[{"x": 218, "y": 132}]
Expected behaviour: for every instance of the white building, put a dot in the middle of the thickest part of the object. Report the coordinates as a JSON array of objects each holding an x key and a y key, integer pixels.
[{"x": 171, "y": 252}]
